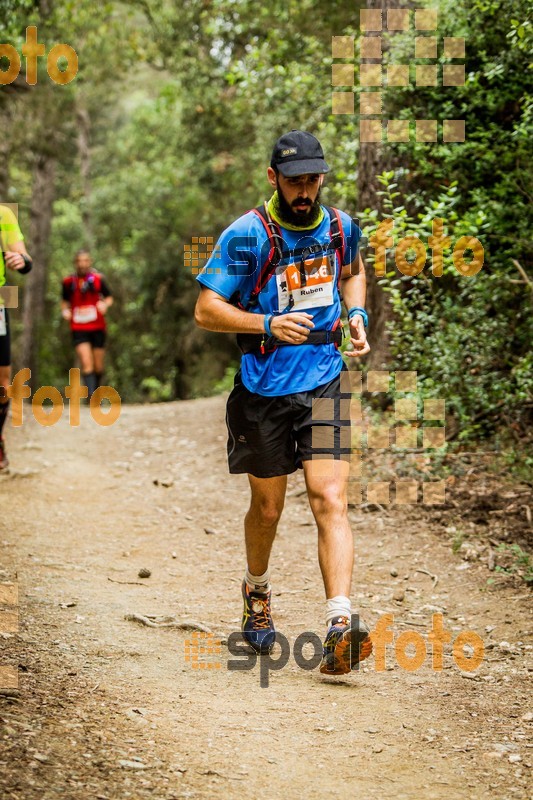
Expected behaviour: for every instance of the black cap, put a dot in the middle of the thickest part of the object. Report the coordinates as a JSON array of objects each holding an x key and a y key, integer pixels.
[{"x": 298, "y": 153}]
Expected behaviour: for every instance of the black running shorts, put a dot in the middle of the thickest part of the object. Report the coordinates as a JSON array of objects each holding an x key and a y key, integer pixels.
[
  {"x": 5, "y": 344},
  {"x": 95, "y": 338},
  {"x": 272, "y": 436}
]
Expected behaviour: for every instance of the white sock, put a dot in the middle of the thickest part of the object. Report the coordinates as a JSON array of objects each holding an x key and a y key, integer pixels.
[
  {"x": 339, "y": 606},
  {"x": 258, "y": 583}
]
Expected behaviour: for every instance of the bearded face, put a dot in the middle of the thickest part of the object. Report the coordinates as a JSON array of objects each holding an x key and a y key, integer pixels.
[{"x": 296, "y": 208}]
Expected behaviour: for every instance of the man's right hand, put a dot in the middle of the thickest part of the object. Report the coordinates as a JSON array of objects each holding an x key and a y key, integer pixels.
[
  {"x": 293, "y": 327},
  {"x": 67, "y": 314}
]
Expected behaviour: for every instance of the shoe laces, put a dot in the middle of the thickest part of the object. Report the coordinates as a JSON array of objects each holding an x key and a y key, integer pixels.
[{"x": 261, "y": 618}]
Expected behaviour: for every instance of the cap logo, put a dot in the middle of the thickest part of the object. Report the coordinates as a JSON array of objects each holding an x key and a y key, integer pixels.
[{"x": 290, "y": 151}]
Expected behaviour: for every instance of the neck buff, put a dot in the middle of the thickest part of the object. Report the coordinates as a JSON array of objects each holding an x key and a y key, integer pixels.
[{"x": 275, "y": 213}]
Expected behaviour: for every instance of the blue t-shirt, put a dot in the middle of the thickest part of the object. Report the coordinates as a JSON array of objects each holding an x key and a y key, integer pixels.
[{"x": 235, "y": 266}]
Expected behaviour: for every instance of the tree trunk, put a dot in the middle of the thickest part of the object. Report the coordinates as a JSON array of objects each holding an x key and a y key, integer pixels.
[
  {"x": 34, "y": 295},
  {"x": 4, "y": 163},
  {"x": 374, "y": 159},
  {"x": 84, "y": 125}
]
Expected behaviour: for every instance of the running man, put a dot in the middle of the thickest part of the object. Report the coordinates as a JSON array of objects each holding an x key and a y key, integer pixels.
[
  {"x": 13, "y": 255},
  {"x": 281, "y": 270},
  {"x": 86, "y": 299}
]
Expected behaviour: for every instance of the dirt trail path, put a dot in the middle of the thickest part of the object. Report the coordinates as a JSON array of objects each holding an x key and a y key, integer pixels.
[{"x": 111, "y": 709}]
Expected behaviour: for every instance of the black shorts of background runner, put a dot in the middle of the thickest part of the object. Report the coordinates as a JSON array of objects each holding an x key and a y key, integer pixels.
[
  {"x": 5, "y": 344},
  {"x": 272, "y": 436},
  {"x": 95, "y": 338}
]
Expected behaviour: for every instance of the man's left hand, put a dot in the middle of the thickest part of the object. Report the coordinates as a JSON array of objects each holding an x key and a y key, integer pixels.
[
  {"x": 14, "y": 260},
  {"x": 101, "y": 305},
  {"x": 357, "y": 338}
]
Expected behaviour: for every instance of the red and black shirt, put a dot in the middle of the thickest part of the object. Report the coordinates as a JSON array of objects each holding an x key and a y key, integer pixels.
[{"x": 83, "y": 292}]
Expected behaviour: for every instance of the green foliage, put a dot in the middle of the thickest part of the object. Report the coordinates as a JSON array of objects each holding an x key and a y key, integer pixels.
[
  {"x": 467, "y": 337},
  {"x": 226, "y": 383},
  {"x": 518, "y": 562},
  {"x": 185, "y": 101},
  {"x": 458, "y": 539}
]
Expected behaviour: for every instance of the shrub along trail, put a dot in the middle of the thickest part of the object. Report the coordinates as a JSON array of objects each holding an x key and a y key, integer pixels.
[{"x": 109, "y": 707}]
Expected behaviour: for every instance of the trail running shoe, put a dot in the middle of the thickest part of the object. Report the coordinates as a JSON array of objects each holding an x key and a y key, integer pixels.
[
  {"x": 257, "y": 626},
  {"x": 4, "y": 461},
  {"x": 347, "y": 643}
]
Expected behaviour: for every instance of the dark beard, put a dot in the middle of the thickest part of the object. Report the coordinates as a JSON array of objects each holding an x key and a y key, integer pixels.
[{"x": 300, "y": 219}]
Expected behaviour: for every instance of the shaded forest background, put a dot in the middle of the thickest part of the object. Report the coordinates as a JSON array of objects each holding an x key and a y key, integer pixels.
[{"x": 165, "y": 134}]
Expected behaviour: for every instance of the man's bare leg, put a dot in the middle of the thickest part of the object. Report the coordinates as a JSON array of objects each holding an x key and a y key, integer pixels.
[
  {"x": 260, "y": 525},
  {"x": 85, "y": 355},
  {"x": 347, "y": 641},
  {"x": 5, "y": 382},
  {"x": 98, "y": 356},
  {"x": 261, "y": 521},
  {"x": 327, "y": 489}
]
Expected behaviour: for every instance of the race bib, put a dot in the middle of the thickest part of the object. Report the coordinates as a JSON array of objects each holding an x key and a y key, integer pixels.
[
  {"x": 83, "y": 314},
  {"x": 3, "y": 326},
  {"x": 315, "y": 290}
]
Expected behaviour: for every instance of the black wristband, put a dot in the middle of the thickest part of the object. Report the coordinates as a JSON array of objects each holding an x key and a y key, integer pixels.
[{"x": 28, "y": 264}]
